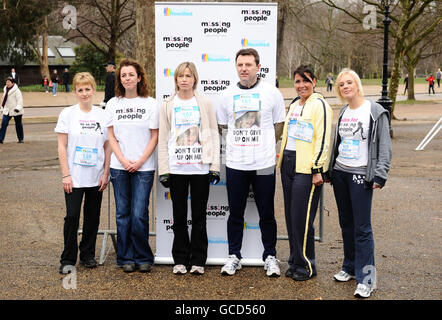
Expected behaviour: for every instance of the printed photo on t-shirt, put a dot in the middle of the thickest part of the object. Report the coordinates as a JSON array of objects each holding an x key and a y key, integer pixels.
[
  {"x": 249, "y": 119},
  {"x": 190, "y": 137}
]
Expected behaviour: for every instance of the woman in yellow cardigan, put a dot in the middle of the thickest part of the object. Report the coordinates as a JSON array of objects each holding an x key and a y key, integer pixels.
[{"x": 303, "y": 159}]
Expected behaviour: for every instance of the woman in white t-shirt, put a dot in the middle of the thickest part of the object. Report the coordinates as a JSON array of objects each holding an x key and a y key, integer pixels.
[
  {"x": 84, "y": 154},
  {"x": 359, "y": 164},
  {"x": 133, "y": 136},
  {"x": 188, "y": 157}
]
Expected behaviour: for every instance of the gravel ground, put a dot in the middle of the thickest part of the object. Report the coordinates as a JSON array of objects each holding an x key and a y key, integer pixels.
[{"x": 407, "y": 221}]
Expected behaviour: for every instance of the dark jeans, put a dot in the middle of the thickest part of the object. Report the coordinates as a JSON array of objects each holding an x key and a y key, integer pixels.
[
  {"x": 354, "y": 206},
  {"x": 18, "y": 127},
  {"x": 431, "y": 87},
  {"x": 194, "y": 251},
  {"x": 132, "y": 191},
  {"x": 263, "y": 187},
  {"x": 301, "y": 198},
  {"x": 91, "y": 220}
]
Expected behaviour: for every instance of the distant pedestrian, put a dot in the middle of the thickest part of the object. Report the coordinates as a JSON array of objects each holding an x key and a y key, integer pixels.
[
  {"x": 66, "y": 79},
  {"x": 12, "y": 106},
  {"x": 45, "y": 83},
  {"x": 406, "y": 83},
  {"x": 55, "y": 78},
  {"x": 109, "y": 87},
  {"x": 14, "y": 76},
  {"x": 329, "y": 81},
  {"x": 430, "y": 80},
  {"x": 438, "y": 76}
]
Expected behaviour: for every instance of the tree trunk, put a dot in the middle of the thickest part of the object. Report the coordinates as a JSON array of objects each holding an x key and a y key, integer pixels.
[
  {"x": 410, "y": 70},
  {"x": 145, "y": 40},
  {"x": 41, "y": 41}
]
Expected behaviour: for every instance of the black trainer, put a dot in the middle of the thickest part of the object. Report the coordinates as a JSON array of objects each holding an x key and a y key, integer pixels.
[{"x": 89, "y": 263}]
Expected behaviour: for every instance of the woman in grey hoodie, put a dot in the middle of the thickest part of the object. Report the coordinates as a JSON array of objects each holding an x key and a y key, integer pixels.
[{"x": 359, "y": 163}]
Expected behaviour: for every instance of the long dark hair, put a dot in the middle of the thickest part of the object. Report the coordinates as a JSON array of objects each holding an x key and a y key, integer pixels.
[{"x": 142, "y": 86}]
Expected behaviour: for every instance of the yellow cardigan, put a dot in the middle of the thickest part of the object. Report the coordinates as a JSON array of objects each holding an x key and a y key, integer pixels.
[{"x": 311, "y": 157}]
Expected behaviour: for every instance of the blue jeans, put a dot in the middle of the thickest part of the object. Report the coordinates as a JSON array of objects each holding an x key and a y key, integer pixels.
[
  {"x": 354, "y": 208},
  {"x": 18, "y": 127},
  {"x": 132, "y": 191},
  {"x": 54, "y": 88}
]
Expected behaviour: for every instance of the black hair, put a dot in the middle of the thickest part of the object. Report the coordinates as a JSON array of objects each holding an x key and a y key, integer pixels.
[{"x": 302, "y": 70}]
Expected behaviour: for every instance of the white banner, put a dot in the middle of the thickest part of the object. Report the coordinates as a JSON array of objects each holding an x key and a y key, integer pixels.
[{"x": 209, "y": 35}]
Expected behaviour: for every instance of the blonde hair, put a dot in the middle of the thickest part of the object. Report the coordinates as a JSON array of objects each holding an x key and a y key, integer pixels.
[
  {"x": 180, "y": 70},
  {"x": 355, "y": 77},
  {"x": 84, "y": 78}
]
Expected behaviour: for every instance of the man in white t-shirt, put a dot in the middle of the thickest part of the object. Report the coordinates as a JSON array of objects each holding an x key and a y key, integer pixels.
[{"x": 253, "y": 113}]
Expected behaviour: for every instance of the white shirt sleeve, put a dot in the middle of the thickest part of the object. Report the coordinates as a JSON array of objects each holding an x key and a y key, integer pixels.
[
  {"x": 221, "y": 114},
  {"x": 109, "y": 113},
  {"x": 279, "y": 108},
  {"x": 154, "y": 118},
  {"x": 63, "y": 122}
]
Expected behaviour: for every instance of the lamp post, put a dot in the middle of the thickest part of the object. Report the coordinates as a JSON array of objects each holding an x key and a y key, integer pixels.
[{"x": 385, "y": 101}]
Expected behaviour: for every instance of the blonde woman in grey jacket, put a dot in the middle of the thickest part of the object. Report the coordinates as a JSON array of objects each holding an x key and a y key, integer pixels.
[
  {"x": 188, "y": 156},
  {"x": 12, "y": 106},
  {"x": 360, "y": 162}
]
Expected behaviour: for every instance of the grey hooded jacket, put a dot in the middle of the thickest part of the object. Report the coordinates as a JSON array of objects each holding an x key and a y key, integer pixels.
[{"x": 379, "y": 146}]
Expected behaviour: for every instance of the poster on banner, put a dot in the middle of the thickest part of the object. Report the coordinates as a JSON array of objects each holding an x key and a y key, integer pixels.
[{"x": 209, "y": 35}]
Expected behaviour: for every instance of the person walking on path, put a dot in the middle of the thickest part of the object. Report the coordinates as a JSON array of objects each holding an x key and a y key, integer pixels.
[
  {"x": 250, "y": 157},
  {"x": 12, "y": 106},
  {"x": 181, "y": 168},
  {"x": 66, "y": 79},
  {"x": 55, "y": 78},
  {"x": 430, "y": 80},
  {"x": 303, "y": 159},
  {"x": 133, "y": 136},
  {"x": 14, "y": 76},
  {"x": 359, "y": 163},
  {"x": 438, "y": 76},
  {"x": 329, "y": 81},
  {"x": 84, "y": 155},
  {"x": 406, "y": 83}
]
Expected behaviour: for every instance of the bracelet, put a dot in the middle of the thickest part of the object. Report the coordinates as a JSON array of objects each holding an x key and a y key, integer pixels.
[{"x": 66, "y": 176}]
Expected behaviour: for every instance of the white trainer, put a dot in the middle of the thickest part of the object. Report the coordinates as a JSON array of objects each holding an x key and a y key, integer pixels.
[
  {"x": 179, "y": 269},
  {"x": 343, "y": 276},
  {"x": 271, "y": 265},
  {"x": 197, "y": 270},
  {"x": 363, "y": 291},
  {"x": 232, "y": 264}
]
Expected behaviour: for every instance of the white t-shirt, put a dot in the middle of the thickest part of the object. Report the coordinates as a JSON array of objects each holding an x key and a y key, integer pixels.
[
  {"x": 86, "y": 137},
  {"x": 132, "y": 120},
  {"x": 185, "y": 149},
  {"x": 250, "y": 115},
  {"x": 354, "y": 133},
  {"x": 291, "y": 141}
]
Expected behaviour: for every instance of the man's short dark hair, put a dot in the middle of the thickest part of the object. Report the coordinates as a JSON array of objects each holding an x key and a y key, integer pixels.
[{"x": 248, "y": 52}]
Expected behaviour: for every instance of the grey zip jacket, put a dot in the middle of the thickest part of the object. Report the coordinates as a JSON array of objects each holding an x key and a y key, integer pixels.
[{"x": 379, "y": 147}]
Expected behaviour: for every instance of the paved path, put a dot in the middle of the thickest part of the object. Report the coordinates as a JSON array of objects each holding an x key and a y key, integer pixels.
[{"x": 43, "y": 107}]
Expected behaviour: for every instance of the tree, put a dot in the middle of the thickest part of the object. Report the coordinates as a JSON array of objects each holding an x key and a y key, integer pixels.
[
  {"x": 103, "y": 23},
  {"x": 405, "y": 16},
  {"x": 20, "y": 21},
  {"x": 145, "y": 39}
]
